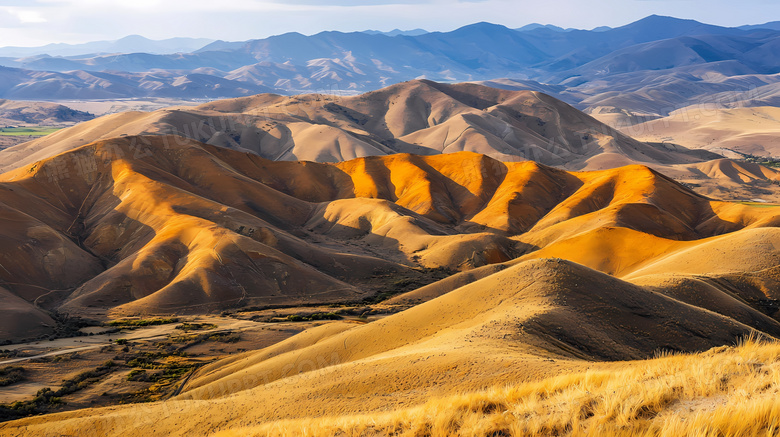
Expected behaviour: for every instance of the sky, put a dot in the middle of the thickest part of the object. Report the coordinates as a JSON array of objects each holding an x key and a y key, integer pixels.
[{"x": 39, "y": 22}]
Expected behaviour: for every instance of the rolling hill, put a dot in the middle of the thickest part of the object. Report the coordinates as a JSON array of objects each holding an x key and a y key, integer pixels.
[
  {"x": 420, "y": 117},
  {"x": 22, "y": 121},
  {"x": 527, "y": 323},
  {"x": 549, "y": 270},
  {"x": 734, "y": 131},
  {"x": 511, "y": 264},
  {"x": 39, "y": 113},
  {"x": 161, "y": 224}
]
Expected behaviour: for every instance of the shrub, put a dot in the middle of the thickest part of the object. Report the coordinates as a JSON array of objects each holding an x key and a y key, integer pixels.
[
  {"x": 138, "y": 323},
  {"x": 196, "y": 326},
  {"x": 137, "y": 375},
  {"x": 226, "y": 338},
  {"x": 315, "y": 316},
  {"x": 325, "y": 316},
  {"x": 11, "y": 375}
]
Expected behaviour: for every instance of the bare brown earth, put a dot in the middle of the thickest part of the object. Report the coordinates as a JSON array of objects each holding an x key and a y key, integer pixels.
[
  {"x": 7, "y": 141},
  {"x": 147, "y": 363}
]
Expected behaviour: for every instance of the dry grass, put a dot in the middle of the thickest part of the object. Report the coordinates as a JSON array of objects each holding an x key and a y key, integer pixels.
[{"x": 727, "y": 391}]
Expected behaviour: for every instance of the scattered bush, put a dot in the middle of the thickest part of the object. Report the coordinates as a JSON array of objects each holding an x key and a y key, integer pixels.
[
  {"x": 137, "y": 375},
  {"x": 225, "y": 337},
  {"x": 11, "y": 375},
  {"x": 325, "y": 316},
  {"x": 196, "y": 326},
  {"x": 139, "y": 323},
  {"x": 46, "y": 398},
  {"x": 315, "y": 316}
]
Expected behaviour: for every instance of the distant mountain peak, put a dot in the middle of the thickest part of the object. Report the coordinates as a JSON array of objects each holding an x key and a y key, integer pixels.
[
  {"x": 397, "y": 32},
  {"x": 372, "y": 59},
  {"x": 656, "y": 20},
  {"x": 482, "y": 26},
  {"x": 133, "y": 37},
  {"x": 534, "y": 26},
  {"x": 772, "y": 25}
]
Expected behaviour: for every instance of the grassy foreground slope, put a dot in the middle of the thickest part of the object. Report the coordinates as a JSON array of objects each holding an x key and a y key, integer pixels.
[
  {"x": 726, "y": 391},
  {"x": 536, "y": 320}
]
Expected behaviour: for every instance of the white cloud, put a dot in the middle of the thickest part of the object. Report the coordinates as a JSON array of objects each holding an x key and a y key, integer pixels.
[{"x": 28, "y": 16}]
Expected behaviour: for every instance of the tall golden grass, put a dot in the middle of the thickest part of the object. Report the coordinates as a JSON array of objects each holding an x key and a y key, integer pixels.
[{"x": 727, "y": 391}]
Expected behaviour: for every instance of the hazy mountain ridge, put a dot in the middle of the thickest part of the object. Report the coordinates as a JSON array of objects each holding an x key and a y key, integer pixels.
[
  {"x": 360, "y": 61},
  {"x": 774, "y": 25},
  {"x": 31, "y": 85},
  {"x": 396, "y": 32},
  {"x": 128, "y": 44}
]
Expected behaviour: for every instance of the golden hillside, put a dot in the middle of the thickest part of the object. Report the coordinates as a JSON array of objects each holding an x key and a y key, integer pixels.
[
  {"x": 521, "y": 351},
  {"x": 725, "y": 391},
  {"x": 551, "y": 272},
  {"x": 166, "y": 225}
]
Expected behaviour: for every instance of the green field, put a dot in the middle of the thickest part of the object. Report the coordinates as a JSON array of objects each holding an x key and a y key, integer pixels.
[
  {"x": 759, "y": 204},
  {"x": 28, "y": 131}
]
